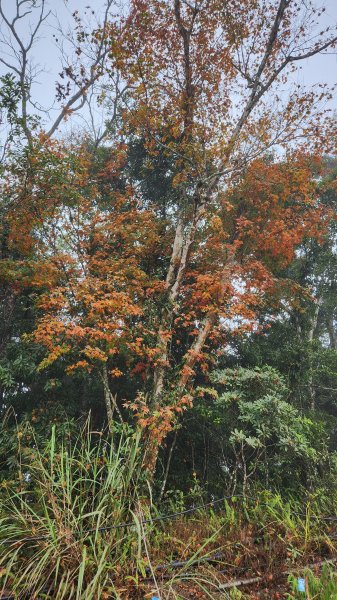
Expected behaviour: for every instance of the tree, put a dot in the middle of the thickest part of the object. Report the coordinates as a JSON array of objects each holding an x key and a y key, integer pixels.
[
  {"x": 23, "y": 118},
  {"x": 205, "y": 84},
  {"x": 98, "y": 256},
  {"x": 207, "y": 81}
]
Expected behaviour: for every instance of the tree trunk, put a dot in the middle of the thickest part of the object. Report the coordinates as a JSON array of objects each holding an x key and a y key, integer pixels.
[
  {"x": 311, "y": 334},
  {"x": 168, "y": 464},
  {"x": 182, "y": 244},
  {"x": 152, "y": 445},
  {"x": 331, "y": 331},
  {"x": 109, "y": 399},
  {"x": 151, "y": 457}
]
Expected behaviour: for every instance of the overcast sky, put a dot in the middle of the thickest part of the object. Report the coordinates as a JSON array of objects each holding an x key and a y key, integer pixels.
[{"x": 321, "y": 68}]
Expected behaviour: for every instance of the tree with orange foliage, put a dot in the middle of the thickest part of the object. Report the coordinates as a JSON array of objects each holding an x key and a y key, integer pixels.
[
  {"x": 208, "y": 82},
  {"x": 159, "y": 294}
]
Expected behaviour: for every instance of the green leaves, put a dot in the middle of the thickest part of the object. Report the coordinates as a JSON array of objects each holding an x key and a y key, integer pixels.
[
  {"x": 262, "y": 435},
  {"x": 6, "y": 378}
]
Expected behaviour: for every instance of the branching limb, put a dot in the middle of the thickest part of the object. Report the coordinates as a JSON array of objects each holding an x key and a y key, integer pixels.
[{"x": 19, "y": 49}]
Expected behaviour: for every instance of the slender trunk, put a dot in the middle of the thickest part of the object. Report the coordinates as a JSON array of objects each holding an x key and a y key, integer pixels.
[
  {"x": 206, "y": 327},
  {"x": 152, "y": 446},
  {"x": 179, "y": 260},
  {"x": 313, "y": 327},
  {"x": 196, "y": 349},
  {"x": 109, "y": 398},
  {"x": 168, "y": 464},
  {"x": 331, "y": 331},
  {"x": 178, "y": 263},
  {"x": 151, "y": 457},
  {"x": 312, "y": 391}
]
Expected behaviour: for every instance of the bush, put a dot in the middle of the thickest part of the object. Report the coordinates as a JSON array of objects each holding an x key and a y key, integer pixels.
[{"x": 255, "y": 436}]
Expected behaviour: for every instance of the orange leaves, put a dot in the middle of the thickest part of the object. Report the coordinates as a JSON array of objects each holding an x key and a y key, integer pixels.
[
  {"x": 277, "y": 207},
  {"x": 186, "y": 371},
  {"x": 56, "y": 353},
  {"x": 97, "y": 285},
  {"x": 81, "y": 365},
  {"x": 234, "y": 269},
  {"x": 94, "y": 354},
  {"x": 159, "y": 421},
  {"x": 116, "y": 372}
]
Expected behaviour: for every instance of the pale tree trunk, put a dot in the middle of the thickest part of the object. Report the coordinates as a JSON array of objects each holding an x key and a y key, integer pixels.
[
  {"x": 211, "y": 318},
  {"x": 313, "y": 327},
  {"x": 209, "y": 322},
  {"x": 109, "y": 399},
  {"x": 331, "y": 331},
  {"x": 179, "y": 259}
]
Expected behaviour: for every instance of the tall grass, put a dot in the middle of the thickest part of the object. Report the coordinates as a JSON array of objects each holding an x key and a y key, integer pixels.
[{"x": 58, "y": 533}]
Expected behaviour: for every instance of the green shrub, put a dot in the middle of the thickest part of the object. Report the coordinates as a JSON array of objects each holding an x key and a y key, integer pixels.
[{"x": 256, "y": 437}]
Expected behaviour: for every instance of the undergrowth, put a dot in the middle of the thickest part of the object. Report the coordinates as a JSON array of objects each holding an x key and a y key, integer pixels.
[{"x": 63, "y": 532}]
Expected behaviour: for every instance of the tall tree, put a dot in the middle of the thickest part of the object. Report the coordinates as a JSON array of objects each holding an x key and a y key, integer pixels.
[
  {"x": 153, "y": 292},
  {"x": 208, "y": 81}
]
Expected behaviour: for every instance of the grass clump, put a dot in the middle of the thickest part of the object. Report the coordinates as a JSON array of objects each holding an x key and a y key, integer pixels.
[{"x": 58, "y": 532}]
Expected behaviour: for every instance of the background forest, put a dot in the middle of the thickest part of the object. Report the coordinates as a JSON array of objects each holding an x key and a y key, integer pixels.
[{"x": 168, "y": 282}]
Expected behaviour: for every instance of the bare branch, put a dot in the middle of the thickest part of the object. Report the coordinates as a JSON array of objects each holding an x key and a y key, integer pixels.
[
  {"x": 19, "y": 61},
  {"x": 20, "y": 50},
  {"x": 94, "y": 69}
]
